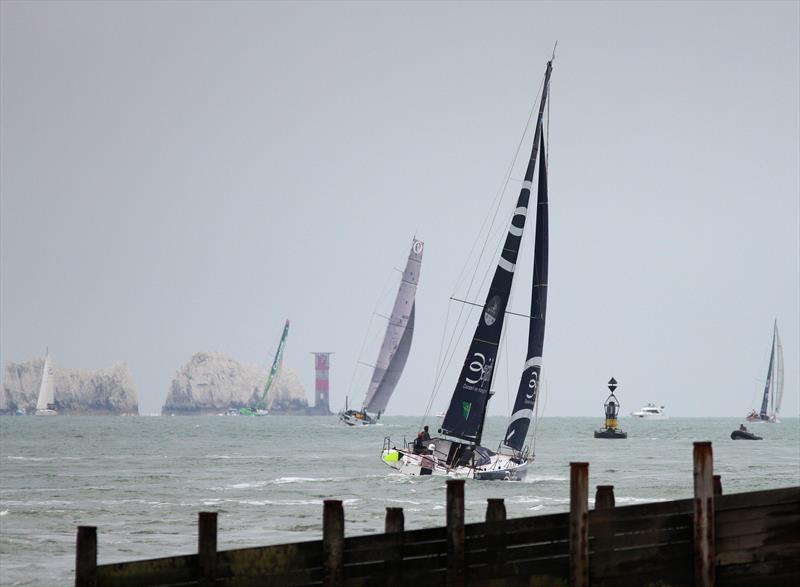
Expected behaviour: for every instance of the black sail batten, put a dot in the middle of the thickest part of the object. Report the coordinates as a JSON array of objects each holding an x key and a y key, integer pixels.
[
  {"x": 528, "y": 389},
  {"x": 465, "y": 416}
]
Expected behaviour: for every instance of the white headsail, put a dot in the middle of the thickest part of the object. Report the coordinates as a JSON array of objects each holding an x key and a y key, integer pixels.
[
  {"x": 46, "y": 386},
  {"x": 777, "y": 397}
]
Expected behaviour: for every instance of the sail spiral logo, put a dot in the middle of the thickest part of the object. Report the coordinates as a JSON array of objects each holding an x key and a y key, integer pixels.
[{"x": 418, "y": 246}]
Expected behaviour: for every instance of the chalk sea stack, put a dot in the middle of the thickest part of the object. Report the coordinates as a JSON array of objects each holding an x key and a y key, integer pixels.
[
  {"x": 108, "y": 391},
  {"x": 211, "y": 383}
]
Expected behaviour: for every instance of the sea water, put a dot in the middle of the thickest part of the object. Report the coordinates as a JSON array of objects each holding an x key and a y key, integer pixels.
[{"x": 142, "y": 480}]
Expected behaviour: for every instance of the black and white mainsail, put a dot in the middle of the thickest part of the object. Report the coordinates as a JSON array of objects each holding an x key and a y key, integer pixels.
[
  {"x": 529, "y": 382},
  {"x": 465, "y": 416},
  {"x": 397, "y": 339}
]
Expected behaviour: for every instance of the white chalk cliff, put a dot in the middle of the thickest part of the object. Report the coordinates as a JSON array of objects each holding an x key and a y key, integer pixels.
[
  {"x": 214, "y": 382},
  {"x": 76, "y": 391}
]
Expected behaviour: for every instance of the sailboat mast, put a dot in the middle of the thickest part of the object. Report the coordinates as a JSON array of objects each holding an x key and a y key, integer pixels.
[
  {"x": 276, "y": 364},
  {"x": 465, "y": 416}
]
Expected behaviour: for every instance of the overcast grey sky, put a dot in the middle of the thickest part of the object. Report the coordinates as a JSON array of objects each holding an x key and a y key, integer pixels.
[{"x": 181, "y": 177}]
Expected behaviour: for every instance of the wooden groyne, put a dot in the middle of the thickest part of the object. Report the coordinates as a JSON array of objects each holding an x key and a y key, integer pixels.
[{"x": 742, "y": 539}]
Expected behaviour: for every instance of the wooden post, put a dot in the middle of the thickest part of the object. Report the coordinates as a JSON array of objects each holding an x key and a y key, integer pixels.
[
  {"x": 395, "y": 525},
  {"x": 495, "y": 510},
  {"x": 395, "y": 521},
  {"x": 455, "y": 533},
  {"x": 495, "y": 531},
  {"x": 717, "y": 485},
  {"x": 333, "y": 542},
  {"x": 604, "y": 498},
  {"x": 207, "y": 547},
  {"x": 86, "y": 557},
  {"x": 579, "y": 525},
  {"x": 704, "y": 555}
]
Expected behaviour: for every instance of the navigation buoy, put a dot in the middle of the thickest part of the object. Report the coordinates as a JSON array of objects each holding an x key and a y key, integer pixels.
[{"x": 610, "y": 429}]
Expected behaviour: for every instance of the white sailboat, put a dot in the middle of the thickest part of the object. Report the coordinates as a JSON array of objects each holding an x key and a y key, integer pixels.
[
  {"x": 394, "y": 349},
  {"x": 773, "y": 388},
  {"x": 45, "y": 404}
]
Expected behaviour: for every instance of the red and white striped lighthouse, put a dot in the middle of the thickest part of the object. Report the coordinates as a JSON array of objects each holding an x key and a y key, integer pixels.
[{"x": 321, "y": 386}]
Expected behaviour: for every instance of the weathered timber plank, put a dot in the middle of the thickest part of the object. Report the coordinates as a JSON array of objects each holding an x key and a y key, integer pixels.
[
  {"x": 173, "y": 570},
  {"x": 518, "y": 525},
  {"x": 409, "y": 577},
  {"x": 369, "y": 556},
  {"x": 642, "y": 540},
  {"x": 754, "y": 554},
  {"x": 773, "y": 573},
  {"x": 758, "y": 512},
  {"x": 778, "y": 537},
  {"x": 541, "y": 551},
  {"x": 646, "y": 559},
  {"x": 368, "y": 541},
  {"x": 643, "y": 524},
  {"x": 538, "y": 571},
  {"x": 269, "y": 560},
  {"x": 775, "y": 527},
  {"x": 532, "y": 538},
  {"x": 754, "y": 499},
  {"x": 659, "y": 508},
  {"x": 676, "y": 575},
  {"x": 377, "y": 570},
  {"x": 298, "y": 578}
]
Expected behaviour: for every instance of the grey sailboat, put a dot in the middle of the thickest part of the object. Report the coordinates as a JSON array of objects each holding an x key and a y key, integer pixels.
[{"x": 394, "y": 349}]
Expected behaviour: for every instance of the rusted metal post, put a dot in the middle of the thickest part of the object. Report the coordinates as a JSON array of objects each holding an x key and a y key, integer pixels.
[
  {"x": 704, "y": 555},
  {"x": 395, "y": 521},
  {"x": 495, "y": 510},
  {"x": 717, "y": 485},
  {"x": 86, "y": 557},
  {"x": 604, "y": 498},
  {"x": 207, "y": 547},
  {"x": 333, "y": 542},
  {"x": 455, "y": 533},
  {"x": 579, "y": 524}
]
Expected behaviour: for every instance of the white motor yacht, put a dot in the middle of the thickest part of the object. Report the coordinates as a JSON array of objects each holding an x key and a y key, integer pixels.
[{"x": 650, "y": 412}]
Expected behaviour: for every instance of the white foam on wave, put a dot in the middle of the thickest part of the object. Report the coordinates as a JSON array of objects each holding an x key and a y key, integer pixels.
[
  {"x": 247, "y": 485},
  {"x": 284, "y": 480},
  {"x": 411, "y": 501},
  {"x": 238, "y": 457},
  {"x": 540, "y": 478},
  {"x": 4, "y": 513},
  {"x": 638, "y": 499}
]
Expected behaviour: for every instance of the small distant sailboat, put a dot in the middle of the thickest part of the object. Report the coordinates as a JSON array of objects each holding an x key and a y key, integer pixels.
[
  {"x": 45, "y": 404},
  {"x": 395, "y": 347},
  {"x": 260, "y": 408},
  {"x": 773, "y": 389}
]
